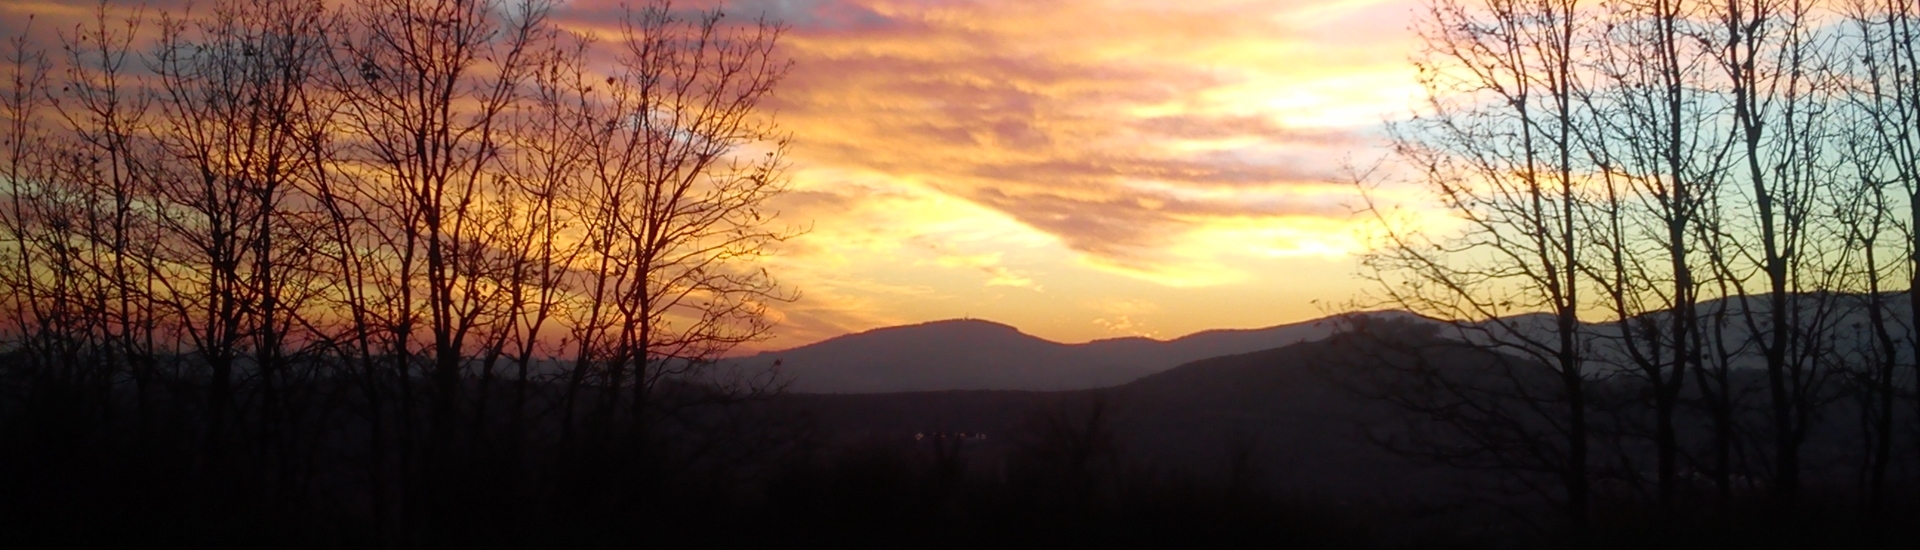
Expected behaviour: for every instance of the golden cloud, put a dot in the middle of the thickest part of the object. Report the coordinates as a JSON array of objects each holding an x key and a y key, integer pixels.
[
  {"x": 951, "y": 151},
  {"x": 1119, "y": 129}
]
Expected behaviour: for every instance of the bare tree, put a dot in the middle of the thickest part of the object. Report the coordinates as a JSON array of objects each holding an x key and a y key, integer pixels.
[
  {"x": 545, "y": 164},
  {"x": 552, "y": 171},
  {"x": 235, "y": 131},
  {"x": 288, "y": 209},
  {"x": 1886, "y": 171},
  {"x": 101, "y": 215},
  {"x": 24, "y": 277},
  {"x": 1660, "y": 155},
  {"x": 426, "y": 86},
  {"x": 1499, "y": 149},
  {"x": 672, "y": 207},
  {"x": 1775, "y": 68}
]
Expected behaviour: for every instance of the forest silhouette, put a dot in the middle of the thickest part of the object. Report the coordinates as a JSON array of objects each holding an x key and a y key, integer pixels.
[{"x": 442, "y": 273}]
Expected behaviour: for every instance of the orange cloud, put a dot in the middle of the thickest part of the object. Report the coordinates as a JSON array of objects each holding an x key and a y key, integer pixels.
[
  {"x": 1169, "y": 152},
  {"x": 1056, "y": 113},
  {"x": 1189, "y": 145}
]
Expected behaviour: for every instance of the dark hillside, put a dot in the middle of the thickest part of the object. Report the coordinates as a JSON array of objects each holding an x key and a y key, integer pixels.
[
  {"x": 1286, "y": 407},
  {"x": 974, "y": 354}
]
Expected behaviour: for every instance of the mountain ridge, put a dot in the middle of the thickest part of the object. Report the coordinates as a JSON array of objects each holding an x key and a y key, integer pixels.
[{"x": 979, "y": 354}]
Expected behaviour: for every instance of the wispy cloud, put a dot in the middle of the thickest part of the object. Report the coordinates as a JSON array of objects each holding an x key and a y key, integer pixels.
[
  {"x": 1117, "y": 128},
  {"x": 1024, "y": 157},
  {"x": 1187, "y": 145}
]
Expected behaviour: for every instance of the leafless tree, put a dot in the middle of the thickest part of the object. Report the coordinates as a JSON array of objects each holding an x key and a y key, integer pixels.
[
  {"x": 1660, "y": 156},
  {"x": 99, "y": 212},
  {"x": 426, "y": 86},
  {"x": 1776, "y": 68},
  {"x": 235, "y": 136},
  {"x": 546, "y": 164},
  {"x": 672, "y": 209},
  {"x": 1498, "y": 147},
  {"x": 287, "y": 209},
  {"x": 24, "y": 277},
  {"x": 1885, "y": 154}
]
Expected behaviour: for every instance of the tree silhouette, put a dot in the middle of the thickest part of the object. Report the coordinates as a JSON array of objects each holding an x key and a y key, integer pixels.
[{"x": 1500, "y": 149}]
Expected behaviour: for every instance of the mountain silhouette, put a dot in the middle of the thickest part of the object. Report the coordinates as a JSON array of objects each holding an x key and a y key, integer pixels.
[
  {"x": 972, "y": 354},
  {"x": 1306, "y": 432},
  {"x": 1305, "y": 412}
]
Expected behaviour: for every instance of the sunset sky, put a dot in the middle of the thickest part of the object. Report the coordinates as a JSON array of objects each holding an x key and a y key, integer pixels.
[{"x": 1079, "y": 169}]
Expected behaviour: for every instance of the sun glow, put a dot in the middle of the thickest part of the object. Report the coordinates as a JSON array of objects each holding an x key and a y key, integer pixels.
[{"x": 1018, "y": 160}]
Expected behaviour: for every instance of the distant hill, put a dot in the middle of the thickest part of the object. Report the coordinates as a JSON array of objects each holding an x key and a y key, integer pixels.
[
  {"x": 983, "y": 355},
  {"x": 1305, "y": 433},
  {"x": 1299, "y": 410}
]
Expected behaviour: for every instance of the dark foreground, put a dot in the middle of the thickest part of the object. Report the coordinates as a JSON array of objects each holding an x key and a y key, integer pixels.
[{"x": 1263, "y": 450}]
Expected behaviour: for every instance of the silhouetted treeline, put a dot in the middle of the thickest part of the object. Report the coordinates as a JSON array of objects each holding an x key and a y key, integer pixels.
[
  {"x": 1693, "y": 224},
  {"x": 382, "y": 261},
  {"x": 440, "y": 273},
  {"x": 403, "y": 273}
]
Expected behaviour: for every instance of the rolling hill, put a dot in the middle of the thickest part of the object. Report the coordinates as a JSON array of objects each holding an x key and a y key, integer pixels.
[
  {"x": 1305, "y": 433},
  {"x": 975, "y": 354},
  {"x": 984, "y": 355}
]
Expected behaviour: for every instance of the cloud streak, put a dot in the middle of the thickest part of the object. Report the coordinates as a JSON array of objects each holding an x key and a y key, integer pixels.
[
  {"x": 1101, "y": 124},
  {"x": 1028, "y": 158}
]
